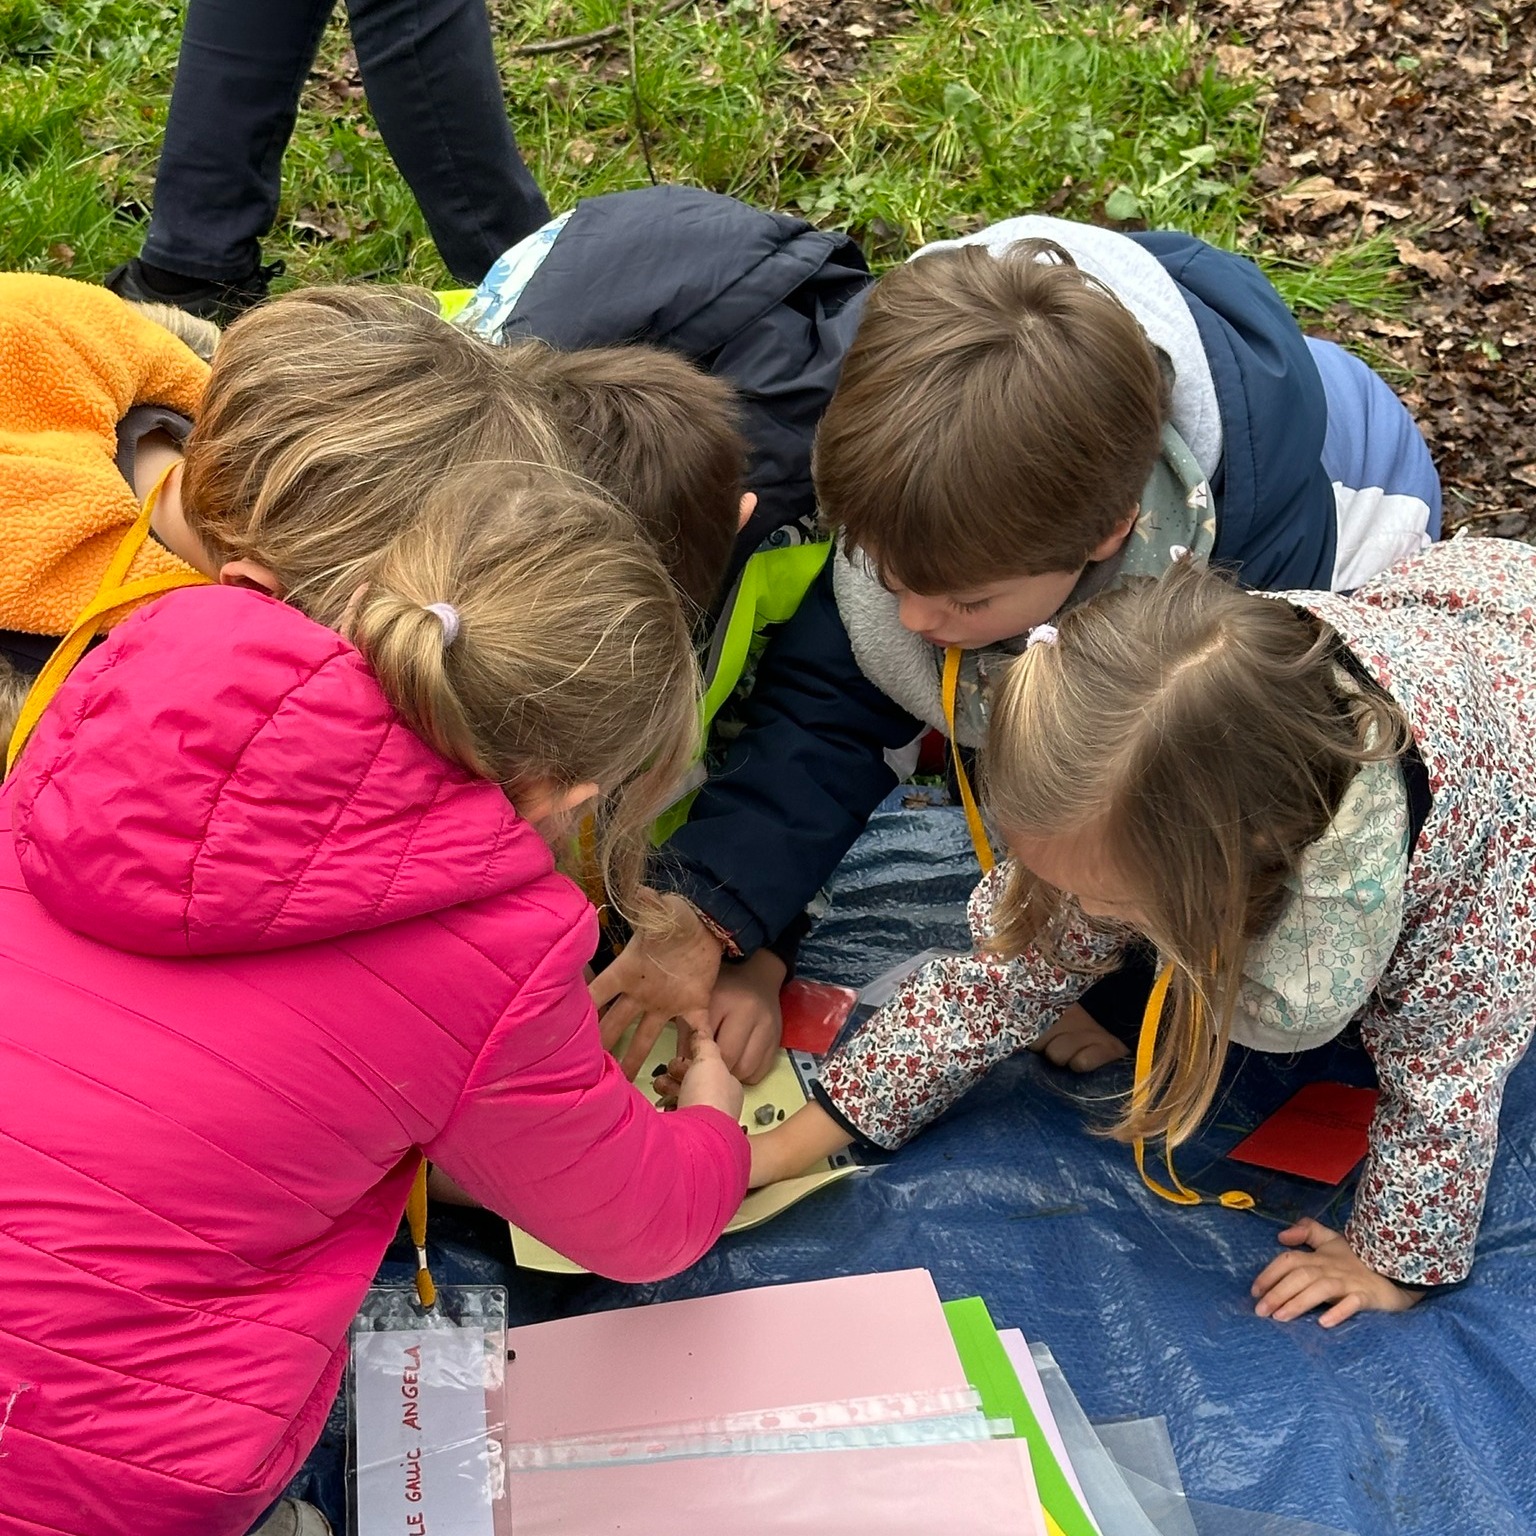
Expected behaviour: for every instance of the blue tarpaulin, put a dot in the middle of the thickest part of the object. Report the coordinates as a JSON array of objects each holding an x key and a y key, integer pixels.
[{"x": 1414, "y": 1424}]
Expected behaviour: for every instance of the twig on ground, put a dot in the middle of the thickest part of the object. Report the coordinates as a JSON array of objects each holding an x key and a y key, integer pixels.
[
  {"x": 601, "y": 35},
  {"x": 634, "y": 90}
]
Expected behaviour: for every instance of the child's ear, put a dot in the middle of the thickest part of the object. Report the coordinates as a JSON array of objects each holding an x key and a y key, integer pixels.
[
  {"x": 248, "y": 573},
  {"x": 1115, "y": 537},
  {"x": 551, "y": 808},
  {"x": 748, "y": 507}
]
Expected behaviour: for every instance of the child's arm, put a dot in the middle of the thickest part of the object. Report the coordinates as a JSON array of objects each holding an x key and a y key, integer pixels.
[
  {"x": 1420, "y": 1198},
  {"x": 549, "y": 1134},
  {"x": 794, "y": 791},
  {"x": 788, "y": 1150},
  {"x": 952, "y": 1022}
]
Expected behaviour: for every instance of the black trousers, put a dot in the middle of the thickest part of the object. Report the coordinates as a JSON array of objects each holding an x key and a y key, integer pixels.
[
  {"x": 1118, "y": 1001},
  {"x": 432, "y": 83}
]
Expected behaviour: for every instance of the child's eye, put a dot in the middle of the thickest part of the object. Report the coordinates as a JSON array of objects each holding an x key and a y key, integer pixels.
[{"x": 975, "y": 607}]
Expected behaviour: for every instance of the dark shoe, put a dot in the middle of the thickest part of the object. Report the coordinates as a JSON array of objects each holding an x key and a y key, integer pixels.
[{"x": 216, "y": 301}]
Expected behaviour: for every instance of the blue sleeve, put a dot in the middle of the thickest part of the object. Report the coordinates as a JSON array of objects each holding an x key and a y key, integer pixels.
[
  {"x": 796, "y": 787},
  {"x": 1276, "y": 523}
]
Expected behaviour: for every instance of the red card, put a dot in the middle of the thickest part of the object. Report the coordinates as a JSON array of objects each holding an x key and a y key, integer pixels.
[
  {"x": 814, "y": 1011},
  {"x": 1319, "y": 1133}
]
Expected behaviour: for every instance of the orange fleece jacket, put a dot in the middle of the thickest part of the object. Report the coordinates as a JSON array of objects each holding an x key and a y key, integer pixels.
[{"x": 74, "y": 359}]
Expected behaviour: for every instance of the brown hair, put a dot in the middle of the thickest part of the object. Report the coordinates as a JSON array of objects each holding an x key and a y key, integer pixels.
[
  {"x": 1206, "y": 736},
  {"x": 571, "y": 663},
  {"x": 329, "y": 417},
  {"x": 996, "y": 416},
  {"x": 660, "y": 436}
]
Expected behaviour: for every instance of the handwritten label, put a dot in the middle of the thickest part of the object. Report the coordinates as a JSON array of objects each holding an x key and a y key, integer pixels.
[{"x": 424, "y": 1463}]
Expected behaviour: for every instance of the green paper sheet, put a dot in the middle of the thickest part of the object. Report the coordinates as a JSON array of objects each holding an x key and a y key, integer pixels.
[{"x": 991, "y": 1373}]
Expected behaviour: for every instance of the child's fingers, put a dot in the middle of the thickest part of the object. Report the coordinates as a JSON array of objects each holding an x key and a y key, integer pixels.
[
  {"x": 1276, "y": 1270},
  {"x": 1313, "y": 1233},
  {"x": 616, "y": 1018},
  {"x": 1322, "y": 1288},
  {"x": 645, "y": 1036},
  {"x": 734, "y": 1036},
  {"x": 1346, "y": 1307},
  {"x": 1287, "y": 1285},
  {"x": 607, "y": 984},
  {"x": 704, "y": 1048},
  {"x": 757, "y": 1060}
]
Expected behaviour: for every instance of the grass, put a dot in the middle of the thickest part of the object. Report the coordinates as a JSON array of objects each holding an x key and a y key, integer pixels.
[{"x": 978, "y": 109}]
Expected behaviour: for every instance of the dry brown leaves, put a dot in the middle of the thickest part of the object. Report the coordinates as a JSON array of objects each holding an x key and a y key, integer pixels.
[{"x": 1418, "y": 117}]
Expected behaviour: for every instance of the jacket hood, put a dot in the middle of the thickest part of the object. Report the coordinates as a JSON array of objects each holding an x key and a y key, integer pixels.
[
  {"x": 223, "y": 775},
  {"x": 761, "y": 299}
]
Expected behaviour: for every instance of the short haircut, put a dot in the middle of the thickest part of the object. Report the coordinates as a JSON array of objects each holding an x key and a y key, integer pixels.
[
  {"x": 997, "y": 415},
  {"x": 661, "y": 437}
]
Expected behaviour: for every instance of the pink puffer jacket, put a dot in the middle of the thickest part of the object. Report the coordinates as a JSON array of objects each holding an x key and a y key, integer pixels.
[{"x": 258, "y": 943}]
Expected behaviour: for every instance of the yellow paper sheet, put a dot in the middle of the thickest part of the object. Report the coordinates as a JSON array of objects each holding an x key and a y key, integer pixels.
[{"x": 781, "y": 1088}]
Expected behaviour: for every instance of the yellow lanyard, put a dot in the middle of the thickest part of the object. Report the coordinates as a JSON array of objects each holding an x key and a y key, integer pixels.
[
  {"x": 416, "y": 1219},
  {"x": 979, "y": 839},
  {"x": 113, "y": 595},
  {"x": 1233, "y": 1199}
]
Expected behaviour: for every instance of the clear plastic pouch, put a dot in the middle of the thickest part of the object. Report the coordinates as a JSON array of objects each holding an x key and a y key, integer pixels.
[{"x": 426, "y": 1414}]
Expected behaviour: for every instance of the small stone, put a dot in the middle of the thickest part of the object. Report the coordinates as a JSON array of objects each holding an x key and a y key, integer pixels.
[
  {"x": 781, "y": 1114},
  {"x": 658, "y": 1069},
  {"x": 765, "y": 1114}
]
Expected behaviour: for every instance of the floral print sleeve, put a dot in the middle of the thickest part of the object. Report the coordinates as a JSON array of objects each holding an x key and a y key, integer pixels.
[
  {"x": 1420, "y": 1199},
  {"x": 951, "y": 1023},
  {"x": 1451, "y": 635}
]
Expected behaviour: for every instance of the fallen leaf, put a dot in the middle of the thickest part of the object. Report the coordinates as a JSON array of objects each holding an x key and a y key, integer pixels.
[
  {"x": 1317, "y": 197},
  {"x": 1432, "y": 263}
]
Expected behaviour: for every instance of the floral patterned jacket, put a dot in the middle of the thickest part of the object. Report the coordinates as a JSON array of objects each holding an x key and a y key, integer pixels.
[{"x": 1432, "y": 948}]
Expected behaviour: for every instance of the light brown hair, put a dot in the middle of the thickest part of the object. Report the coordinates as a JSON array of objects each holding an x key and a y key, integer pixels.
[
  {"x": 996, "y": 416},
  {"x": 329, "y": 417},
  {"x": 201, "y": 336},
  {"x": 572, "y": 660},
  {"x": 1205, "y": 738},
  {"x": 661, "y": 437}
]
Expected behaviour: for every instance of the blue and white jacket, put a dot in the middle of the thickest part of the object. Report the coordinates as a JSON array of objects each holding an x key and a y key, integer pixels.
[{"x": 1318, "y": 479}]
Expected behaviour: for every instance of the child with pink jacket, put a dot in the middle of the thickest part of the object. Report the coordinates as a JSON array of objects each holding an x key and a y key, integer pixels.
[{"x": 278, "y": 914}]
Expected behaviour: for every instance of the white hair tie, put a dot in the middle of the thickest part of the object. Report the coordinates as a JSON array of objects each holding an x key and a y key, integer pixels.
[
  {"x": 1178, "y": 552},
  {"x": 448, "y": 615},
  {"x": 1041, "y": 634}
]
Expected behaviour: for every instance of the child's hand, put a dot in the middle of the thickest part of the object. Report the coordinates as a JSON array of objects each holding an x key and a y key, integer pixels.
[
  {"x": 1331, "y": 1272},
  {"x": 744, "y": 1014},
  {"x": 654, "y": 981},
  {"x": 708, "y": 1080}
]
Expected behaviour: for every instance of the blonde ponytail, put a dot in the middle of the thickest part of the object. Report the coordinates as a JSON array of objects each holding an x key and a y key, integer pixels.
[{"x": 567, "y": 658}]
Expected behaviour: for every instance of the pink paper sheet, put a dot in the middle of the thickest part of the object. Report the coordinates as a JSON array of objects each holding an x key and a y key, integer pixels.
[
  {"x": 722, "y": 1359},
  {"x": 981, "y": 1488}
]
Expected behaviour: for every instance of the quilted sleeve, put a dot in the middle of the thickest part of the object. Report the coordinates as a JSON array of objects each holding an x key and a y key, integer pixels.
[{"x": 550, "y": 1134}]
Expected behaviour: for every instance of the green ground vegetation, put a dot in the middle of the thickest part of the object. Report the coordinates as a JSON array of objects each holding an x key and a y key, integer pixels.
[{"x": 977, "y": 109}]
